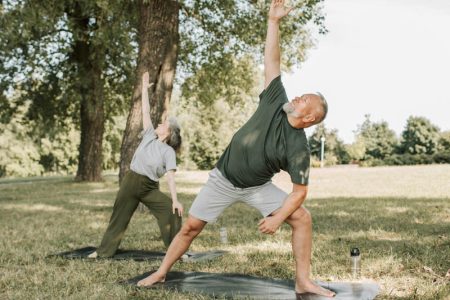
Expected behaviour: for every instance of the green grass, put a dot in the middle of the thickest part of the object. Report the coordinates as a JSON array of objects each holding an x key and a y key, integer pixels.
[{"x": 399, "y": 217}]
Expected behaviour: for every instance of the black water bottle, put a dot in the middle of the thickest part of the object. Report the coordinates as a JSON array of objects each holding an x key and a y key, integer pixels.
[{"x": 355, "y": 262}]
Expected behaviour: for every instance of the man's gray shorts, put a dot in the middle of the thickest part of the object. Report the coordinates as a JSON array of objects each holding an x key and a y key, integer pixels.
[{"x": 218, "y": 193}]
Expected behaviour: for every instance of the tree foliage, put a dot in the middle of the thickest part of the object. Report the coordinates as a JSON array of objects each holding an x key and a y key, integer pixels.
[
  {"x": 420, "y": 136},
  {"x": 68, "y": 59},
  {"x": 378, "y": 139},
  {"x": 335, "y": 151},
  {"x": 39, "y": 48},
  {"x": 74, "y": 58},
  {"x": 212, "y": 35},
  {"x": 55, "y": 151},
  {"x": 356, "y": 150},
  {"x": 444, "y": 141},
  {"x": 210, "y": 117},
  {"x": 216, "y": 32},
  {"x": 19, "y": 155}
]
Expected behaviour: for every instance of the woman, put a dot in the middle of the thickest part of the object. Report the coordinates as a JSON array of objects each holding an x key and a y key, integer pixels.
[{"x": 154, "y": 157}]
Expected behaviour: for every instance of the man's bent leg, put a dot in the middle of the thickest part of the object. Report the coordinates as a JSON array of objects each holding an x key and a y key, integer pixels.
[
  {"x": 301, "y": 223},
  {"x": 177, "y": 248}
]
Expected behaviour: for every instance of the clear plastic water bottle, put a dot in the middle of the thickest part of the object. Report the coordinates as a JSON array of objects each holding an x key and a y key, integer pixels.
[
  {"x": 223, "y": 235},
  {"x": 355, "y": 262}
]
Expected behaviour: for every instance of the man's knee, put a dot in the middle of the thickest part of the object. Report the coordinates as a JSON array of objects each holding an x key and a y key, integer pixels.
[
  {"x": 192, "y": 227},
  {"x": 300, "y": 216}
]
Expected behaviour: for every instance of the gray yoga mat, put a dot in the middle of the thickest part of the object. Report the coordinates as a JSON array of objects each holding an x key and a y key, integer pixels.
[
  {"x": 139, "y": 255},
  {"x": 235, "y": 286}
]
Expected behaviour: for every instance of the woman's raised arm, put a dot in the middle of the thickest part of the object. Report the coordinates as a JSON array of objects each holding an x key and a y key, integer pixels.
[{"x": 146, "y": 120}]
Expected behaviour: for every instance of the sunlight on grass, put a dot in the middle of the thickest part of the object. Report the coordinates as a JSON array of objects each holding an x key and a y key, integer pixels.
[
  {"x": 280, "y": 246},
  {"x": 395, "y": 210},
  {"x": 377, "y": 234},
  {"x": 104, "y": 190},
  {"x": 397, "y": 216},
  {"x": 33, "y": 207},
  {"x": 97, "y": 225},
  {"x": 189, "y": 190},
  {"x": 89, "y": 202},
  {"x": 340, "y": 214},
  {"x": 349, "y": 181},
  {"x": 388, "y": 264}
]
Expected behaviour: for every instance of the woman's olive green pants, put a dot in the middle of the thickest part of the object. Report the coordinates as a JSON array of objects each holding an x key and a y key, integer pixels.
[{"x": 137, "y": 188}]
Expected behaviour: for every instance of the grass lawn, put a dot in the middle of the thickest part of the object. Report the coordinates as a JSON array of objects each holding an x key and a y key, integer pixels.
[{"x": 399, "y": 217}]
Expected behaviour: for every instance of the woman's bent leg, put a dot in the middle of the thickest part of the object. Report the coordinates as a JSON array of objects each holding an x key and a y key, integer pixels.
[{"x": 160, "y": 205}]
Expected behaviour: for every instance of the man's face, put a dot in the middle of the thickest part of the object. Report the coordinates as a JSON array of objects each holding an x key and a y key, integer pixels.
[
  {"x": 305, "y": 109},
  {"x": 305, "y": 105}
]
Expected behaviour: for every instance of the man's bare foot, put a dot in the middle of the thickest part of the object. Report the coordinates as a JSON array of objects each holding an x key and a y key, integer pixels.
[
  {"x": 152, "y": 279},
  {"x": 93, "y": 255},
  {"x": 311, "y": 287}
]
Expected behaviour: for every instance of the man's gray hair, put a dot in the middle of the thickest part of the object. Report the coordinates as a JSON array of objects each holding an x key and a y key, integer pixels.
[
  {"x": 174, "y": 139},
  {"x": 324, "y": 107}
]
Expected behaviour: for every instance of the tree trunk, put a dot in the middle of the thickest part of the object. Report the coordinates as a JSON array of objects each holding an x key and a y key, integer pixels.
[
  {"x": 88, "y": 60},
  {"x": 92, "y": 127},
  {"x": 158, "y": 50}
]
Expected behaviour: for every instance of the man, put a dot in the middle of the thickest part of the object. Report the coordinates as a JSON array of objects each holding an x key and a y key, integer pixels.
[{"x": 273, "y": 139}]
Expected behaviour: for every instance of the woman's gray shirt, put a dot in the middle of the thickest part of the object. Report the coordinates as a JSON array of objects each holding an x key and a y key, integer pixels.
[{"x": 153, "y": 158}]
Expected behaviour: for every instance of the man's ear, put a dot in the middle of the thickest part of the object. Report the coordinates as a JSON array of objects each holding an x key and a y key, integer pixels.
[{"x": 309, "y": 118}]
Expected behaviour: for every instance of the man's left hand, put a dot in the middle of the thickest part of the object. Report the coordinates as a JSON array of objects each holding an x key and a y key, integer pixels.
[{"x": 269, "y": 225}]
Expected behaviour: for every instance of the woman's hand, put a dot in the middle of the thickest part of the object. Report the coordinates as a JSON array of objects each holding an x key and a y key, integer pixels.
[
  {"x": 173, "y": 192},
  {"x": 177, "y": 206}
]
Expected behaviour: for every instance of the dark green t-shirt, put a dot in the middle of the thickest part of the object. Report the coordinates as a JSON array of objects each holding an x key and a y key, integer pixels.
[{"x": 266, "y": 144}]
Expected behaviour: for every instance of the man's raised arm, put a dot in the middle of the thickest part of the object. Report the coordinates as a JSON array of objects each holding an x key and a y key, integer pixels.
[{"x": 272, "y": 48}]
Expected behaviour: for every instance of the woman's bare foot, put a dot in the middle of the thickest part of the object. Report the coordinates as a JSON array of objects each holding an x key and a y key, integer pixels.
[
  {"x": 311, "y": 287},
  {"x": 93, "y": 255},
  {"x": 152, "y": 279}
]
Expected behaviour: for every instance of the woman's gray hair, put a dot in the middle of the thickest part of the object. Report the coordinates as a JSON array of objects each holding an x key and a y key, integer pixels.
[{"x": 174, "y": 139}]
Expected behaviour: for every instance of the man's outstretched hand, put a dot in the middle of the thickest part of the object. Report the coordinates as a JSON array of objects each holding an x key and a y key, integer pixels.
[{"x": 278, "y": 10}]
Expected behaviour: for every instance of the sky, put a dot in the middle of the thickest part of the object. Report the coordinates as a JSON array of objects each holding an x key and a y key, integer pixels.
[{"x": 386, "y": 58}]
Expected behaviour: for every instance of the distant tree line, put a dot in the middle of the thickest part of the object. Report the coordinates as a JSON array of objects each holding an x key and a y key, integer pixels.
[
  {"x": 207, "y": 129},
  {"x": 420, "y": 142}
]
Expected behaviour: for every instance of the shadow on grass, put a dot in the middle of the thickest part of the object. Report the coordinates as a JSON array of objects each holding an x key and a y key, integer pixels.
[
  {"x": 412, "y": 230},
  {"x": 412, "y": 233}
]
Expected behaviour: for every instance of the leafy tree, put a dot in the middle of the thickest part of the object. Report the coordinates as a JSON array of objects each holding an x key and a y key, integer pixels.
[
  {"x": 112, "y": 140},
  {"x": 19, "y": 156},
  {"x": 71, "y": 59},
  {"x": 77, "y": 59},
  {"x": 444, "y": 141},
  {"x": 209, "y": 36},
  {"x": 356, "y": 150},
  {"x": 335, "y": 151},
  {"x": 58, "y": 149},
  {"x": 420, "y": 136},
  {"x": 210, "y": 122},
  {"x": 378, "y": 139}
]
